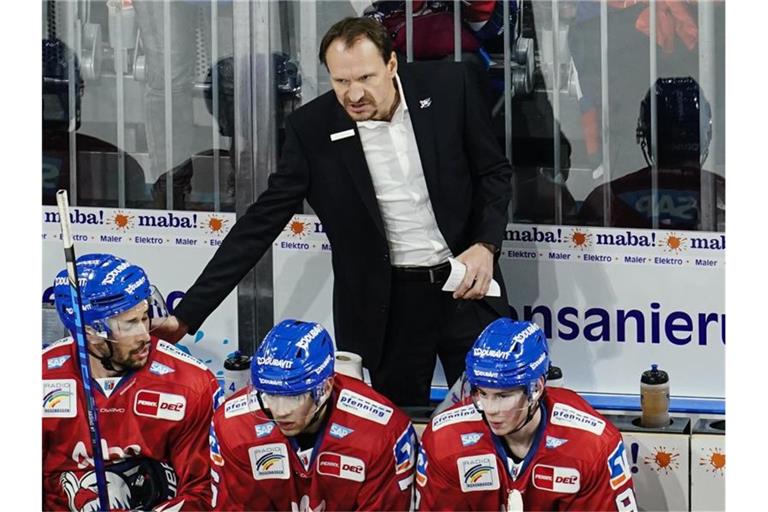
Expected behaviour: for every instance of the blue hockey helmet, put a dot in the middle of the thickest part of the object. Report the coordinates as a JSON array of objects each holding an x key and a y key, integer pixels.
[
  {"x": 508, "y": 354},
  {"x": 295, "y": 357},
  {"x": 108, "y": 286},
  {"x": 681, "y": 109}
]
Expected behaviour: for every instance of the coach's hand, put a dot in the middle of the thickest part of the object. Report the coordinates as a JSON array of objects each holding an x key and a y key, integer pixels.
[
  {"x": 169, "y": 328},
  {"x": 479, "y": 261}
]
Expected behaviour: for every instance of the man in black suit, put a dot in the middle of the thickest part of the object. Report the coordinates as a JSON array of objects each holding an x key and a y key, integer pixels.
[{"x": 400, "y": 164}]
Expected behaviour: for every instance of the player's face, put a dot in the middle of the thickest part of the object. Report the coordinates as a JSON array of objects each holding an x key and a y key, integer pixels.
[
  {"x": 130, "y": 337},
  {"x": 291, "y": 413},
  {"x": 362, "y": 81},
  {"x": 505, "y": 409}
]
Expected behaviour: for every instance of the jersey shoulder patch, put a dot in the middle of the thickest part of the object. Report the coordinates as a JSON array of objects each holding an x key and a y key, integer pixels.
[
  {"x": 171, "y": 350},
  {"x": 59, "y": 343},
  {"x": 59, "y": 398},
  {"x": 364, "y": 407},
  {"x": 458, "y": 415},
  {"x": 238, "y": 405},
  {"x": 566, "y": 416}
]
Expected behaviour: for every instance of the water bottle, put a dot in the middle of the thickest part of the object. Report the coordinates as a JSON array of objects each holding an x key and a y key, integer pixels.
[
  {"x": 554, "y": 377},
  {"x": 236, "y": 372},
  {"x": 654, "y": 398}
]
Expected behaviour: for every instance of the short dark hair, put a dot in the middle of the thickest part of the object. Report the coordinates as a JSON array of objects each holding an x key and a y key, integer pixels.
[{"x": 350, "y": 29}]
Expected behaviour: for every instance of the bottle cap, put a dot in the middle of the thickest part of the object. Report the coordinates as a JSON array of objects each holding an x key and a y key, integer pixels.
[
  {"x": 554, "y": 373},
  {"x": 654, "y": 376},
  {"x": 237, "y": 361}
]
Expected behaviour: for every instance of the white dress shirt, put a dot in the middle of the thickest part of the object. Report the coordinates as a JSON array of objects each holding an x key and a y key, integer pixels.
[{"x": 401, "y": 191}]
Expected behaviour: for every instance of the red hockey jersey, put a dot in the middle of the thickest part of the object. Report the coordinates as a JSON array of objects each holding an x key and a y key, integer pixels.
[
  {"x": 576, "y": 462},
  {"x": 364, "y": 456},
  {"x": 161, "y": 412}
]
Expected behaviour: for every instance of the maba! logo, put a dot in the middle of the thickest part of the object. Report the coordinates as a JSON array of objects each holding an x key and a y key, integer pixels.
[
  {"x": 121, "y": 221},
  {"x": 674, "y": 243},
  {"x": 580, "y": 239},
  {"x": 663, "y": 459},
  {"x": 714, "y": 462}
]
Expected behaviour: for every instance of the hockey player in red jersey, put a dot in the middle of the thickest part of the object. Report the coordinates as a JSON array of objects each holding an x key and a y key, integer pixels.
[
  {"x": 304, "y": 438},
  {"x": 514, "y": 445},
  {"x": 154, "y": 402}
]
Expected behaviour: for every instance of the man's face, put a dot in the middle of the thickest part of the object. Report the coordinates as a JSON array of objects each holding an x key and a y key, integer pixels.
[
  {"x": 293, "y": 413},
  {"x": 362, "y": 81},
  {"x": 505, "y": 409},
  {"x": 130, "y": 337}
]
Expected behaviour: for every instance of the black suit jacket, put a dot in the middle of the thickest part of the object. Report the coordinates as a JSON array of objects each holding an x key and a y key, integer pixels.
[{"x": 467, "y": 176}]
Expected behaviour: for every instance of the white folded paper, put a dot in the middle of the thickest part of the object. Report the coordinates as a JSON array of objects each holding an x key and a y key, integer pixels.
[{"x": 458, "y": 269}]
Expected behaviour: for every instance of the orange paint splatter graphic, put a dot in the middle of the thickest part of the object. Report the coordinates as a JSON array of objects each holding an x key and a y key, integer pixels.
[
  {"x": 674, "y": 243},
  {"x": 121, "y": 221},
  {"x": 663, "y": 460},
  {"x": 580, "y": 239},
  {"x": 214, "y": 225},
  {"x": 715, "y": 462},
  {"x": 296, "y": 228}
]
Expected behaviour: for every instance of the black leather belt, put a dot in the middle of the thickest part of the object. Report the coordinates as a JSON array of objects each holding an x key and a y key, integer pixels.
[{"x": 437, "y": 274}]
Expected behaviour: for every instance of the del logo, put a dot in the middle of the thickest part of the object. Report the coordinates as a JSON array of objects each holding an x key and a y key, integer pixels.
[
  {"x": 264, "y": 429},
  {"x": 471, "y": 438},
  {"x": 555, "y": 442},
  {"x": 269, "y": 461},
  {"x": 405, "y": 450},
  {"x": 160, "y": 369},
  {"x": 618, "y": 466},
  {"x": 556, "y": 479},
  {"x": 478, "y": 473},
  {"x": 165, "y": 406},
  {"x": 340, "y": 431},
  {"x": 57, "y": 362},
  {"x": 341, "y": 466},
  {"x": 59, "y": 398}
]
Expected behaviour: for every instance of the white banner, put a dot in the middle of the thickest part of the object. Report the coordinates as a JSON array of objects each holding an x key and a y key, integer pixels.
[
  {"x": 612, "y": 301},
  {"x": 171, "y": 246}
]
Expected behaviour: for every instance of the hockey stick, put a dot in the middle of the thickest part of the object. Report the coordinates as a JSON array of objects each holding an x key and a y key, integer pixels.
[{"x": 82, "y": 349}]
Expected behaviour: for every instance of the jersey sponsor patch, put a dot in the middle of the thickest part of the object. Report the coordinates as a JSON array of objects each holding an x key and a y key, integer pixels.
[
  {"x": 68, "y": 340},
  {"x": 154, "y": 404},
  {"x": 421, "y": 468},
  {"x": 213, "y": 442},
  {"x": 618, "y": 466},
  {"x": 59, "y": 398},
  {"x": 466, "y": 413},
  {"x": 269, "y": 462},
  {"x": 173, "y": 351},
  {"x": 405, "y": 450},
  {"x": 471, "y": 438},
  {"x": 55, "y": 363},
  {"x": 340, "y": 431},
  {"x": 236, "y": 407},
  {"x": 567, "y": 416},
  {"x": 357, "y": 404},
  {"x": 341, "y": 466},
  {"x": 555, "y": 442},
  {"x": 160, "y": 369},
  {"x": 556, "y": 479},
  {"x": 265, "y": 429},
  {"x": 478, "y": 473},
  {"x": 626, "y": 502}
]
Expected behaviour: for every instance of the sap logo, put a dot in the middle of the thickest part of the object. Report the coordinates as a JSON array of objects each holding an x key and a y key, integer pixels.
[
  {"x": 165, "y": 406},
  {"x": 405, "y": 450},
  {"x": 59, "y": 398},
  {"x": 341, "y": 466},
  {"x": 269, "y": 462},
  {"x": 160, "y": 369},
  {"x": 57, "y": 362},
  {"x": 359, "y": 405},
  {"x": 555, "y": 442},
  {"x": 465, "y": 413},
  {"x": 618, "y": 466},
  {"x": 567, "y": 416},
  {"x": 470, "y": 439},
  {"x": 340, "y": 431},
  {"x": 478, "y": 473},
  {"x": 556, "y": 479},
  {"x": 264, "y": 429}
]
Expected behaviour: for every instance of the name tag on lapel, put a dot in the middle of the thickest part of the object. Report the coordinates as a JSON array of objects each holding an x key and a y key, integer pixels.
[{"x": 342, "y": 135}]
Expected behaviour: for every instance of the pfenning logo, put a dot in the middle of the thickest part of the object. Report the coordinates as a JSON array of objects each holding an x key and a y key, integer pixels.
[
  {"x": 567, "y": 416},
  {"x": 465, "y": 413},
  {"x": 154, "y": 404},
  {"x": 478, "y": 473},
  {"x": 556, "y": 479},
  {"x": 269, "y": 461},
  {"x": 341, "y": 466},
  {"x": 236, "y": 407},
  {"x": 359, "y": 405},
  {"x": 59, "y": 398}
]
